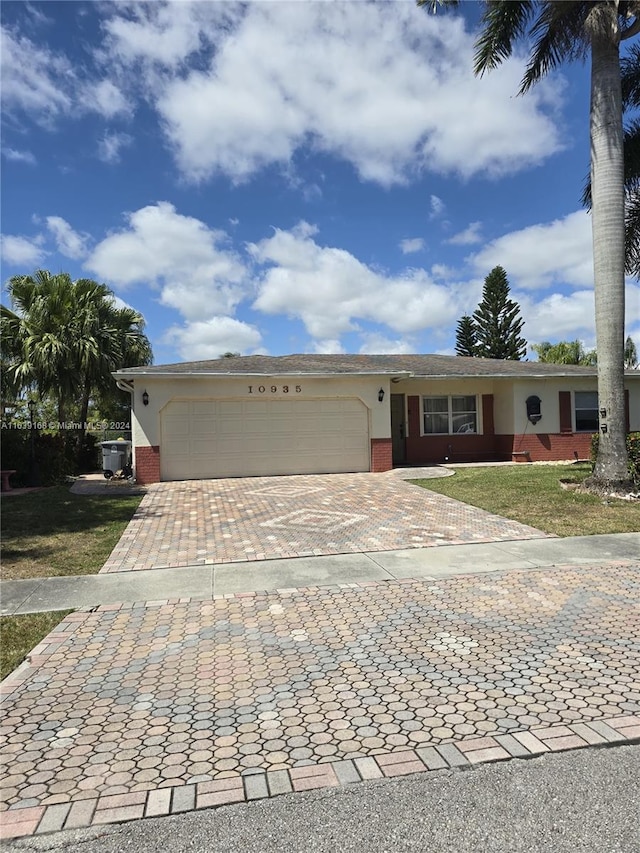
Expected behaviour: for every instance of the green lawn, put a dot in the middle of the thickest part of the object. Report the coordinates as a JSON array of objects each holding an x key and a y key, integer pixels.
[
  {"x": 49, "y": 533},
  {"x": 20, "y": 634},
  {"x": 532, "y": 494},
  {"x": 53, "y": 532}
]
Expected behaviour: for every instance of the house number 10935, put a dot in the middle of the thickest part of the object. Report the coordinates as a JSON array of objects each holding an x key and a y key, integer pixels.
[{"x": 273, "y": 389}]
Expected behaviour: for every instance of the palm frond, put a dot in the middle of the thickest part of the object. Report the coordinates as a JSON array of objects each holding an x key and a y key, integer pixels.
[
  {"x": 502, "y": 24},
  {"x": 632, "y": 234},
  {"x": 559, "y": 35},
  {"x": 432, "y": 6},
  {"x": 632, "y": 155},
  {"x": 630, "y": 77}
]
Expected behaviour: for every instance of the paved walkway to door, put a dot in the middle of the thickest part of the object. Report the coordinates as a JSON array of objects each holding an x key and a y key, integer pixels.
[{"x": 261, "y": 518}]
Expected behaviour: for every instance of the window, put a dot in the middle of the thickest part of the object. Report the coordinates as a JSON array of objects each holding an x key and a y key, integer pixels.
[
  {"x": 586, "y": 409},
  {"x": 447, "y": 415}
]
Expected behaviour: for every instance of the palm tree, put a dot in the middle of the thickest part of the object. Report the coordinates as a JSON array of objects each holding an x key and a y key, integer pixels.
[
  {"x": 40, "y": 338},
  {"x": 559, "y": 31},
  {"x": 565, "y": 352},
  {"x": 110, "y": 338},
  {"x": 630, "y": 79},
  {"x": 65, "y": 338}
]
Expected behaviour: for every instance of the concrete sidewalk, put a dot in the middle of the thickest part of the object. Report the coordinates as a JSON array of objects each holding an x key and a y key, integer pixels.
[{"x": 44, "y": 594}]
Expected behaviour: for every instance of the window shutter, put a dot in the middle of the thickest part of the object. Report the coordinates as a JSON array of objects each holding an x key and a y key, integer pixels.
[
  {"x": 627, "y": 420},
  {"x": 488, "y": 427},
  {"x": 564, "y": 399}
]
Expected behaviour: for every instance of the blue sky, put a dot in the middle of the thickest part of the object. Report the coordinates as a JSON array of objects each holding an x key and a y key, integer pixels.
[{"x": 282, "y": 177}]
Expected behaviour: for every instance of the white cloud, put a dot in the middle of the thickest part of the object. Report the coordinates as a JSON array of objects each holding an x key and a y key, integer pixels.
[
  {"x": 467, "y": 237},
  {"x": 411, "y": 244},
  {"x": 165, "y": 34},
  {"x": 558, "y": 316},
  {"x": 230, "y": 103},
  {"x": 15, "y": 156},
  {"x": 111, "y": 145},
  {"x": 537, "y": 257},
  {"x": 375, "y": 343},
  {"x": 437, "y": 207},
  {"x": 44, "y": 84},
  {"x": 329, "y": 289},
  {"x": 34, "y": 79},
  {"x": 197, "y": 273},
  {"x": 69, "y": 242},
  {"x": 443, "y": 272},
  {"x": 211, "y": 338},
  {"x": 328, "y": 347},
  {"x": 220, "y": 76},
  {"x": 21, "y": 251},
  {"x": 105, "y": 98}
]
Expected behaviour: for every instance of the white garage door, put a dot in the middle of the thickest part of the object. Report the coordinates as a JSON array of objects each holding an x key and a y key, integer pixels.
[{"x": 227, "y": 438}]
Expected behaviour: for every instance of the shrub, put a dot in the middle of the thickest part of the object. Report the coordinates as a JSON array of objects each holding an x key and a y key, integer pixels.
[
  {"x": 633, "y": 449},
  {"x": 90, "y": 457},
  {"x": 53, "y": 457}
]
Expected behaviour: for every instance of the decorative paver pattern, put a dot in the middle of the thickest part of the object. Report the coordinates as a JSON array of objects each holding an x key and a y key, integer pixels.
[
  {"x": 243, "y": 696},
  {"x": 233, "y": 520}
]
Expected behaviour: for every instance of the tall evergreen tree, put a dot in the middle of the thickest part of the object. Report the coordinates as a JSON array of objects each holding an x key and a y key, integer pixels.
[
  {"x": 497, "y": 320},
  {"x": 630, "y": 354},
  {"x": 466, "y": 336}
]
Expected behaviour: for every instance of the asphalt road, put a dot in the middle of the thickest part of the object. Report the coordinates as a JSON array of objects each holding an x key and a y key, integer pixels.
[{"x": 585, "y": 801}]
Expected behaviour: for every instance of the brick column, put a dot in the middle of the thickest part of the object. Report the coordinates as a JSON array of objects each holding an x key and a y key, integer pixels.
[
  {"x": 381, "y": 454},
  {"x": 147, "y": 469}
]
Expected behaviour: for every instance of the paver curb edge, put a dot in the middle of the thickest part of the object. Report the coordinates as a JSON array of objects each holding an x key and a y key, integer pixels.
[{"x": 461, "y": 755}]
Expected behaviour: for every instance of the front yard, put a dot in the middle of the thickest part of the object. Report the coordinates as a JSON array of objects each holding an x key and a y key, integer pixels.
[
  {"x": 532, "y": 494},
  {"x": 52, "y": 532}
]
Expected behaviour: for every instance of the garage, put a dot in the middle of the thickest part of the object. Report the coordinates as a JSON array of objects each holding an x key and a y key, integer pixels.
[{"x": 239, "y": 438}]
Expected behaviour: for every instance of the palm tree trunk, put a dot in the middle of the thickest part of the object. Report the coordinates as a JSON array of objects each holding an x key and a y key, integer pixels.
[
  {"x": 607, "y": 181},
  {"x": 84, "y": 412}
]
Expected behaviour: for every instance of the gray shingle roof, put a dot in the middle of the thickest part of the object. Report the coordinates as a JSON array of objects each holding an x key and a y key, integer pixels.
[{"x": 339, "y": 365}]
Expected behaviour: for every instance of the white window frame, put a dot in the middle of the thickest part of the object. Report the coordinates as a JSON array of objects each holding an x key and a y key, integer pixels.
[
  {"x": 575, "y": 410},
  {"x": 449, "y": 398}
]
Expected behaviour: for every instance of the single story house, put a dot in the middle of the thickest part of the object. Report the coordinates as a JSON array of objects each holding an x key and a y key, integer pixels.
[{"x": 299, "y": 414}]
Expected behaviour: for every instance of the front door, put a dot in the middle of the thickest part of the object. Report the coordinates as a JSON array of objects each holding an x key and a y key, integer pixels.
[{"x": 398, "y": 428}]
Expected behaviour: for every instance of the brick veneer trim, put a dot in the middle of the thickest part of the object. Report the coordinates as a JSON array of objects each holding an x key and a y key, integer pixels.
[
  {"x": 381, "y": 454},
  {"x": 147, "y": 464},
  {"x": 550, "y": 447}
]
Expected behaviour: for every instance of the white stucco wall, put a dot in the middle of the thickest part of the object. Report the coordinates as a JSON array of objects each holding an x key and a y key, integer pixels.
[
  {"x": 510, "y": 395},
  {"x": 162, "y": 390},
  {"x": 548, "y": 391},
  {"x": 510, "y": 415}
]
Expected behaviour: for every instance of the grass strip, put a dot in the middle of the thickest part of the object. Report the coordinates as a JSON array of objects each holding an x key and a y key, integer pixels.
[{"x": 20, "y": 634}]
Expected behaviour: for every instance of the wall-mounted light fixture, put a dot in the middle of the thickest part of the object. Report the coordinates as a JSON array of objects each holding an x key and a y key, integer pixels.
[
  {"x": 603, "y": 413},
  {"x": 381, "y": 395},
  {"x": 145, "y": 398}
]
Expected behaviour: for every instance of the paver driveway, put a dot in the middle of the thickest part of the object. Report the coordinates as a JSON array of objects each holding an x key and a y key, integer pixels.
[
  {"x": 138, "y": 710},
  {"x": 220, "y": 521}
]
